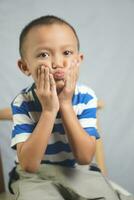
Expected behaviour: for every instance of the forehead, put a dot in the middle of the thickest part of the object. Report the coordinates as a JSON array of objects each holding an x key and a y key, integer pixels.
[{"x": 53, "y": 34}]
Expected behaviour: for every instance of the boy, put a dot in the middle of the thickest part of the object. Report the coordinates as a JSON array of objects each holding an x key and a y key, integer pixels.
[{"x": 55, "y": 118}]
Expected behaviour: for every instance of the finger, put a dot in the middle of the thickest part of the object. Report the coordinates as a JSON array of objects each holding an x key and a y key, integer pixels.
[
  {"x": 68, "y": 79},
  {"x": 74, "y": 70},
  {"x": 71, "y": 75},
  {"x": 52, "y": 83},
  {"x": 38, "y": 78},
  {"x": 41, "y": 79},
  {"x": 46, "y": 79}
]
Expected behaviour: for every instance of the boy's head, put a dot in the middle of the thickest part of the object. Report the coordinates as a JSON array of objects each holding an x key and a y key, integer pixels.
[{"x": 48, "y": 41}]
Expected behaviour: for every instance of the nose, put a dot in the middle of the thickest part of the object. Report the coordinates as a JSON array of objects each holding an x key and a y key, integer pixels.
[{"x": 57, "y": 62}]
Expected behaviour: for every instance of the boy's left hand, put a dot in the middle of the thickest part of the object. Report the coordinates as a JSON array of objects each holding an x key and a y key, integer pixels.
[{"x": 65, "y": 96}]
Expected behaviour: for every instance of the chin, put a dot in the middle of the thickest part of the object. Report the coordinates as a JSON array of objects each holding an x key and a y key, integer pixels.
[{"x": 60, "y": 85}]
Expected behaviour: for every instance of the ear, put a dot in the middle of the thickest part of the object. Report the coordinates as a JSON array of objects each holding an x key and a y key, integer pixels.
[
  {"x": 23, "y": 67},
  {"x": 80, "y": 58}
]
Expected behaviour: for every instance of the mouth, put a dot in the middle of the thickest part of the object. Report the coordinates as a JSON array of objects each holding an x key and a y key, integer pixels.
[{"x": 59, "y": 75}]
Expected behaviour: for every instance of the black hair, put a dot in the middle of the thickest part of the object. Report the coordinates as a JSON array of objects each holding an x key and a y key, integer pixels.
[{"x": 44, "y": 20}]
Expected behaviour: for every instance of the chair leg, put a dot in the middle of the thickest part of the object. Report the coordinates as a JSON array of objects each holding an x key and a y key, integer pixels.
[{"x": 2, "y": 185}]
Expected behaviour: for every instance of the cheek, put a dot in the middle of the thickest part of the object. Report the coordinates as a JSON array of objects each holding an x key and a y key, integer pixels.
[
  {"x": 34, "y": 75},
  {"x": 46, "y": 63},
  {"x": 67, "y": 63}
]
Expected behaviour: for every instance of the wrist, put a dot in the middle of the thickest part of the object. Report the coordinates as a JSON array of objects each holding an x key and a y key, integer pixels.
[
  {"x": 66, "y": 106},
  {"x": 47, "y": 113}
]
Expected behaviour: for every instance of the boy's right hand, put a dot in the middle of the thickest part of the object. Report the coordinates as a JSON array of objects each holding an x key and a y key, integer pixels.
[{"x": 46, "y": 90}]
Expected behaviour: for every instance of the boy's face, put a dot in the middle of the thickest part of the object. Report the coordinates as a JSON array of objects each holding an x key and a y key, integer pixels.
[{"x": 53, "y": 46}]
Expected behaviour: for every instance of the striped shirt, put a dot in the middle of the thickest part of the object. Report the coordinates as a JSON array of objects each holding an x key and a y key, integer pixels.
[{"x": 27, "y": 109}]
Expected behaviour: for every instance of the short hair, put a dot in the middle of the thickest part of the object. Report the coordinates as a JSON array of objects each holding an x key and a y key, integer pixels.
[{"x": 43, "y": 20}]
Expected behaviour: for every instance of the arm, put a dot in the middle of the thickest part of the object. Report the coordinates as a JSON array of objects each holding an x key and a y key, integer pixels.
[
  {"x": 83, "y": 146},
  {"x": 5, "y": 114},
  {"x": 31, "y": 151}
]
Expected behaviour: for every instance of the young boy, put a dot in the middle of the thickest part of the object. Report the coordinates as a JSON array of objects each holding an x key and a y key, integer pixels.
[{"x": 55, "y": 118}]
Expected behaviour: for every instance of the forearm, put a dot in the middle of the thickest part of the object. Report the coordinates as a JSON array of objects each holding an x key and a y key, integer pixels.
[
  {"x": 5, "y": 114},
  {"x": 83, "y": 145},
  {"x": 100, "y": 158},
  {"x": 33, "y": 149}
]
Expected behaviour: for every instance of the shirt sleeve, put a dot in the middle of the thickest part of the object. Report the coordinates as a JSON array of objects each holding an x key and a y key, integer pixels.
[
  {"x": 87, "y": 116},
  {"x": 23, "y": 125}
]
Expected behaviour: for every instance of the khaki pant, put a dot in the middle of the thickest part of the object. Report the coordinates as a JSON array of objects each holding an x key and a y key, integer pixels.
[{"x": 53, "y": 182}]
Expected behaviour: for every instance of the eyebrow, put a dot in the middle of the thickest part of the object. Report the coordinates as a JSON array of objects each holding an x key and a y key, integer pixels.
[
  {"x": 43, "y": 48},
  {"x": 50, "y": 48}
]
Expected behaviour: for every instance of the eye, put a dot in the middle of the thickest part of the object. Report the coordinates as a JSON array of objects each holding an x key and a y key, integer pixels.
[
  {"x": 67, "y": 53},
  {"x": 43, "y": 55}
]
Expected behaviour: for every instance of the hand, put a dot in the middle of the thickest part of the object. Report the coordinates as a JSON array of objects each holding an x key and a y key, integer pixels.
[
  {"x": 46, "y": 90},
  {"x": 65, "y": 96}
]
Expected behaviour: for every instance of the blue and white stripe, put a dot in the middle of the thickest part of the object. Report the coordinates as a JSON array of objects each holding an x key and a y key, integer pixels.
[{"x": 26, "y": 113}]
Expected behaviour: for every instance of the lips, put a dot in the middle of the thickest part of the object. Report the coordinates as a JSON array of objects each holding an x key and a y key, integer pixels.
[{"x": 58, "y": 75}]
